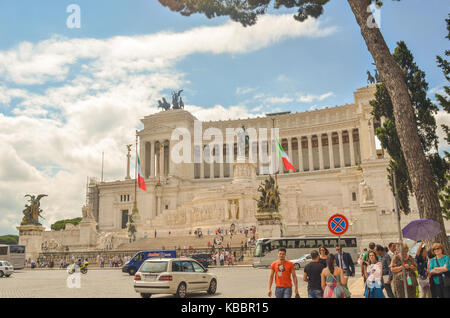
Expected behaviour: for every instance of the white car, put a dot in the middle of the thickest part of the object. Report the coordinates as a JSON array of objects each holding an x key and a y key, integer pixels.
[
  {"x": 302, "y": 261},
  {"x": 177, "y": 276},
  {"x": 6, "y": 269}
]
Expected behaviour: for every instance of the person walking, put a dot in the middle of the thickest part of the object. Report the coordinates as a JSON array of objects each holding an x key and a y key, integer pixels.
[
  {"x": 439, "y": 272},
  {"x": 410, "y": 268},
  {"x": 344, "y": 261},
  {"x": 387, "y": 277},
  {"x": 422, "y": 269},
  {"x": 332, "y": 278},
  {"x": 374, "y": 285},
  {"x": 312, "y": 274},
  {"x": 323, "y": 255},
  {"x": 283, "y": 269}
]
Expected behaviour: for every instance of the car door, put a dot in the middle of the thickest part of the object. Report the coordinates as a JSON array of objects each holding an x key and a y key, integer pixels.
[
  {"x": 189, "y": 276},
  {"x": 200, "y": 276}
]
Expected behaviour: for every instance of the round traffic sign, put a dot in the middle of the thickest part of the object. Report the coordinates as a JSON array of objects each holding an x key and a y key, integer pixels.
[{"x": 338, "y": 224}]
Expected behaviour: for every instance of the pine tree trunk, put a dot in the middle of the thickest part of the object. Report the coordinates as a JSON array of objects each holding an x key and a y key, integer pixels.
[{"x": 419, "y": 169}]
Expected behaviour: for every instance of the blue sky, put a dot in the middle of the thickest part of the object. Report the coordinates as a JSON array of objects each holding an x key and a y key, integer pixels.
[{"x": 66, "y": 95}]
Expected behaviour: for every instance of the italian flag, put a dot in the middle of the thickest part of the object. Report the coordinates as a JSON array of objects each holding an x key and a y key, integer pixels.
[
  {"x": 281, "y": 154},
  {"x": 141, "y": 181}
]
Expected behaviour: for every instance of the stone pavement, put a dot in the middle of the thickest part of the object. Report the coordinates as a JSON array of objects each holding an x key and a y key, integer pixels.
[{"x": 233, "y": 281}]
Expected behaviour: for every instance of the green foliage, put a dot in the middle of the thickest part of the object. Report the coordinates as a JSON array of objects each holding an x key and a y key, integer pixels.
[
  {"x": 425, "y": 112},
  {"x": 9, "y": 239},
  {"x": 61, "y": 225},
  {"x": 444, "y": 197},
  {"x": 444, "y": 101},
  {"x": 246, "y": 11}
]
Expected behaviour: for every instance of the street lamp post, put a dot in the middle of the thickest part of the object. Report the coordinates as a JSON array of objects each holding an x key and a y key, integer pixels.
[{"x": 397, "y": 207}]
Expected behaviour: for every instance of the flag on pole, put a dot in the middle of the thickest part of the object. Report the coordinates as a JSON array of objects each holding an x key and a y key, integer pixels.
[
  {"x": 141, "y": 181},
  {"x": 281, "y": 154}
]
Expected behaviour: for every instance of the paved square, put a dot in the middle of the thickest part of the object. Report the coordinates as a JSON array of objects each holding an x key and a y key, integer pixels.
[{"x": 239, "y": 282}]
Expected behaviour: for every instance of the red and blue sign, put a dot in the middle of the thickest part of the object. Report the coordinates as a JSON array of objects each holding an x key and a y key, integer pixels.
[{"x": 338, "y": 224}]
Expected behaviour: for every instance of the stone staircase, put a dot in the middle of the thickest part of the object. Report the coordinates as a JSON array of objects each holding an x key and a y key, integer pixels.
[{"x": 171, "y": 242}]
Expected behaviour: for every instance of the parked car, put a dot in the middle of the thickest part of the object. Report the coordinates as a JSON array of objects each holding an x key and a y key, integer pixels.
[
  {"x": 302, "y": 261},
  {"x": 6, "y": 269},
  {"x": 203, "y": 258},
  {"x": 132, "y": 266},
  {"x": 178, "y": 276}
]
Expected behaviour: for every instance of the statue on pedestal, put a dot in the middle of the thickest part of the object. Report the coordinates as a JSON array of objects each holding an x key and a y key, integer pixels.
[
  {"x": 270, "y": 196},
  {"x": 32, "y": 211}
]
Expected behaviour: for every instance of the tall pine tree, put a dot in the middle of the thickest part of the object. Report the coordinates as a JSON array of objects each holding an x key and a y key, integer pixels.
[
  {"x": 421, "y": 176},
  {"x": 444, "y": 101},
  {"x": 425, "y": 112}
]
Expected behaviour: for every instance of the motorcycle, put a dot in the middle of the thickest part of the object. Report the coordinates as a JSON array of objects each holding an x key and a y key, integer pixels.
[{"x": 73, "y": 268}]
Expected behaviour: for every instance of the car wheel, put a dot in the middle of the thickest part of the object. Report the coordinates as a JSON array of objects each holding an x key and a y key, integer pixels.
[
  {"x": 181, "y": 291},
  {"x": 297, "y": 266},
  {"x": 1, "y": 274},
  {"x": 132, "y": 271},
  {"x": 7, "y": 275},
  {"x": 212, "y": 287},
  {"x": 146, "y": 295}
]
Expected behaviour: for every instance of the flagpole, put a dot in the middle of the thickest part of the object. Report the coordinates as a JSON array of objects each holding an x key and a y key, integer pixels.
[{"x": 135, "y": 170}]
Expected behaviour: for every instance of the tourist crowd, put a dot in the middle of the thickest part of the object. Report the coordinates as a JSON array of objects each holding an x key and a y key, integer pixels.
[{"x": 385, "y": 272}]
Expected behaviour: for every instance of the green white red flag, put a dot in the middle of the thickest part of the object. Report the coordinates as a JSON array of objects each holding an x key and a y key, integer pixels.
[
  {"x": 141, "y": 181},
  {"x": 283, "y": 155}
]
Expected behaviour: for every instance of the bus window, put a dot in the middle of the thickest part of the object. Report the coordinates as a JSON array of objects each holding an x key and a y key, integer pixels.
[
  {"x": 275, "y": 245},
  {"x": 333, "y": 242},
  {"x": 291, "y": 244},
  {"x": 283, "y": 243},
  {"x": 301, "y": 243},
  {"x": 310, "y": 244},
  {"x": 17, "y": 249},
  {"x": 4, "y": 250},
  {"x": 320, "y": 243}
]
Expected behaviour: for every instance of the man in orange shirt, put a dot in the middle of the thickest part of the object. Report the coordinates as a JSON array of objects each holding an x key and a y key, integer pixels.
[{"x": 282, "y": 269}]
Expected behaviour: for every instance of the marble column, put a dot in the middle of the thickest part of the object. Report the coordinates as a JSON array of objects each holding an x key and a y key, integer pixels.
[
  {"x": 300, "y": 154},
  {"x": 330, "y": 149},
  {"x": 280, "y": 160},
  {"x": 341, "y": 149},
  {"x": 161, "y": 160},
  {"x": 291, "y": 157},
  {"x": 352, "y": 150},
  {"x": 221, "y": 164},
  {"x": 202, "y": 162},
  {"x": 319, "y": 139},
  {"x": 310, "y": 154},
  {"x": 152, "y": 159},
  {"x": 211, "y": 165}
]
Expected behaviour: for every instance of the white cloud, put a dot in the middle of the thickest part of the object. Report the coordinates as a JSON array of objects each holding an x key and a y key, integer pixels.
[
  {"x": 96, "y": 91},
  {"x": 442, "y": 117},
  {"x": 311, "y": 98},
  {"x": 278, "y": 100}
]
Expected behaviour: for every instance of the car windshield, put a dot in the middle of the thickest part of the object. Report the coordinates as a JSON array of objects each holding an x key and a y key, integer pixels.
[{"x": 154, "y": 267}]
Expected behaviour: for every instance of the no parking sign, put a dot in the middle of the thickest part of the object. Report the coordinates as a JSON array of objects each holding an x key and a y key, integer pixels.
[{"x": 338, "y": 224}]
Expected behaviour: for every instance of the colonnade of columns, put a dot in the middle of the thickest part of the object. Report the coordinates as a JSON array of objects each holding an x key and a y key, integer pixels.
[
  {"x": 333, "y": 142},
  {"x": 320, "y": 151},
  {"x": 155, "y": 158}
]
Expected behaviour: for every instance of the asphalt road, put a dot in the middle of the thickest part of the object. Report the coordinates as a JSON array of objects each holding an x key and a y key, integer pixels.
[{"x": 238, "y": 282}]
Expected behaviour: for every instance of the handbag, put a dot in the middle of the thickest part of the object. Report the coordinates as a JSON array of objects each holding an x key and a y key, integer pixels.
[{"x": 444, "y": 277}]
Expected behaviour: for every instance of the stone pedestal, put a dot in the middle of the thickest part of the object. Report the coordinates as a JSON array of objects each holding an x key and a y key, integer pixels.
[
  {"x": 88, "y": 234},
  {"x": 269, "y": 224},
  {"x": 31, "y": 237},
  {"x": 243, "y": 172}
]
